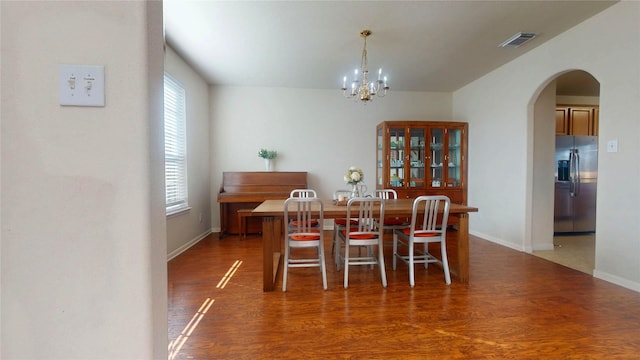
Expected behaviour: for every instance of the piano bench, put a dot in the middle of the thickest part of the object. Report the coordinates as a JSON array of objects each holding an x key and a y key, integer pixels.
[{"x": 242, "y": 221}]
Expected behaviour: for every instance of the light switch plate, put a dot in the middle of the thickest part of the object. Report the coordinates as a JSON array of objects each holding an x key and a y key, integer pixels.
[
  {"x": 81, "y": 85},
  {"x": 612, "y": 146}
]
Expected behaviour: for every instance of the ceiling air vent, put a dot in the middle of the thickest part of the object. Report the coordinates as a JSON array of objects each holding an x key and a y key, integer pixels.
[{"x": 518, "y": 39}]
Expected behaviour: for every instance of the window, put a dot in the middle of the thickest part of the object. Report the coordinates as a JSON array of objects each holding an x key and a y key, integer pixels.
[{"x": 175, "y": 146}]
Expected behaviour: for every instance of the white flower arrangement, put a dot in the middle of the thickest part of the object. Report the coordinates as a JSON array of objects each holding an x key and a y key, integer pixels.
[{"x": 353, "y": 176}]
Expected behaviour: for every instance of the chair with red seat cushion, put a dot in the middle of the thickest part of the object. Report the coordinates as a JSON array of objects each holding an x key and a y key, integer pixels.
[
  {"x": 366, "y": 233},
  {"x": 304, "y": 212},
  {"x": 426, "y": 227},
  {"x": 340, "y": 223},
  {"x": 303, "y": 193},
  {"x": 391, "y": 223}
]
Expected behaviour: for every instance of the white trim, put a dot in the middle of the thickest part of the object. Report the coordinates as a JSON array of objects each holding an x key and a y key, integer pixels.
[
  {"x": 631, "y": 285},
  {"x": 178, "y": 211},
  {"x": 187, "y": 245},
  {"x": 496, "y": 240}
]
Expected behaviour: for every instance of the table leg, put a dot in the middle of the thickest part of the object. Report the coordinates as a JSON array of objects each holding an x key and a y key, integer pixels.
[
  {"x": 271, "y": 234},
  {"x": 223, "y": 220},
  {"x": 463, "y": 248}
]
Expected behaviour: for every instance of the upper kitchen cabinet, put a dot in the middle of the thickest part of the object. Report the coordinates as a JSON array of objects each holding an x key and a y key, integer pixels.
[
  {"x": 576, "y": 120},
  {"x": 422, "y": 158}
]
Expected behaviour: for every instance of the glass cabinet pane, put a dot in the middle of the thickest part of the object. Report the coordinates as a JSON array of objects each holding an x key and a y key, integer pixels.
[
  {"x": 454, "y": 157},
  {"x": 379, "y": 157},
  {"x": 416, "y": 157},
  {"x": 436, "y": 147},
  {"x": 396, "y": 156}
]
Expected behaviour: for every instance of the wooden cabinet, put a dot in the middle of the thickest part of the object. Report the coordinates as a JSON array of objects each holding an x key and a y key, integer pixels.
[
  {"x": 422, "y": 158},
  {"x": 562, "y": 121},
  {"x": 577, "y": 120}
]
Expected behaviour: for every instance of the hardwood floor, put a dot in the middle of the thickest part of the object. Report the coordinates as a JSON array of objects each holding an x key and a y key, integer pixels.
[{"x": 516, "y": 306}]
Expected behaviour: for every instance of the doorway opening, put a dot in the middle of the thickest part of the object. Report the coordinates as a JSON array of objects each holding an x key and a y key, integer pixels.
[{"x": 575, "y": 173}]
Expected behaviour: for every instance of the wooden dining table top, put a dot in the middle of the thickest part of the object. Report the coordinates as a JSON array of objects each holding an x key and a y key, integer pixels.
[{"x": 331, "y": 209}]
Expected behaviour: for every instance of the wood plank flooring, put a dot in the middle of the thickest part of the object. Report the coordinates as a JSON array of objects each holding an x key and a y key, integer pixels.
[{"x": 516, "y": 306}]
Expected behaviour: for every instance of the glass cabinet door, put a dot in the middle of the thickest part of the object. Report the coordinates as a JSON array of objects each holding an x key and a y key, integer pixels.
[
  {"x": 396, "y": 157},
  {"x": 379, "y": 157},
  {"x": 417, "y": 158},
  {"x": 436, "y": 157},
  {"x": 454, "y": 157}
]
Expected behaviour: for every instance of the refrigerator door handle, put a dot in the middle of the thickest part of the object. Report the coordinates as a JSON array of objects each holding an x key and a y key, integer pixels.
[
  {"x": 572, "y": 173},
  {"x": 576, "y": 189}
]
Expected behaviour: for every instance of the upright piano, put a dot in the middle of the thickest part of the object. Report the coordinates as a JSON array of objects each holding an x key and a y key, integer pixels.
[{"x": 246, "y": 190}]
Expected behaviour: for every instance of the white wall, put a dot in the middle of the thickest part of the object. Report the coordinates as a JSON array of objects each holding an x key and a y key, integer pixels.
[
  {"x": 501, "y": 162},
  {"x": 186, "y": 228},
  {"x": 83, "y": 229},
  {"x": 542, "y": 177},
  {"x": 318, "y": 131}
]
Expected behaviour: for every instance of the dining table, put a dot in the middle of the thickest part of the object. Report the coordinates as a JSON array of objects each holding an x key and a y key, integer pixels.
[{"x": 272, "y": 214}]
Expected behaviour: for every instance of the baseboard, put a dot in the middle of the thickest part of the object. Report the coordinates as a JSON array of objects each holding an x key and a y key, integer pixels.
[
  {"x": 497, "y": 241},
  {"x": 545, "y": 247},
  {"x": 631, "y": 285},
  {"x": 187, "y": 245}
]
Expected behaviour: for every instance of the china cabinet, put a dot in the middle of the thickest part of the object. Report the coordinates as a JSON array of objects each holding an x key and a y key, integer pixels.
[{"x": 422, "y": 158}]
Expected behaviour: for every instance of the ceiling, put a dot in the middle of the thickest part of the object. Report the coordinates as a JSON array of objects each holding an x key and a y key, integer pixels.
[{"x": 421, "y": 45}]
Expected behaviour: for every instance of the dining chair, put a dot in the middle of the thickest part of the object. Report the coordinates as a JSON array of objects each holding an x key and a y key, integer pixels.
[
  {"x": 300, "y": 211},
  {"x": 391, "y": 223},
  {"x": 303, "y": 193},
  {"x": 340, "y": 223},
  {"x": 428, "y": 225},
  {"x": 367, "y": 233}
]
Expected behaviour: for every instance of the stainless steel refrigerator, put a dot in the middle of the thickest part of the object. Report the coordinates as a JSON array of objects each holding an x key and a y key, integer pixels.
[{"x": 576, "y": 183}]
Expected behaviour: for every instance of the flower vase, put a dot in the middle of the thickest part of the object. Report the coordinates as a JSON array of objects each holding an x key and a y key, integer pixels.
[
  {"x": 355, "y": 192},
  {"x": 268, "y": 164}
]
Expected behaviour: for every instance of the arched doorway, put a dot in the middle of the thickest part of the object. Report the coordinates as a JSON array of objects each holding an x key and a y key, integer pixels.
[{"x": 576, "y": 95}]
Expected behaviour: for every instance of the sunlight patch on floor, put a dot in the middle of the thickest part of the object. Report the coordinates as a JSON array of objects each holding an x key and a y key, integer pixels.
[
  {"x": 232, "y": 270},
  {"x": 176, "y": 345}
]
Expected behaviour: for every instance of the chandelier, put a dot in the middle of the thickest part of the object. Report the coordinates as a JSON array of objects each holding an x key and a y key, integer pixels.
[{"x": 362, "y": 88}]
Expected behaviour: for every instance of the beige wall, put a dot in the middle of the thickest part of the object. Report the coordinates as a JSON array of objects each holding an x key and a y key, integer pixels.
[
  {"x": 186, "y": 228},
  {"x": 317, "y": 131},
  {"x": 83, "y": 227},
  {"x": 501, "y": 169}
]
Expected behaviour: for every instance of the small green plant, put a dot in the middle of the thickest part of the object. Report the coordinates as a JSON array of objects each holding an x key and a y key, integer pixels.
[{"x": 267, "y": 154}]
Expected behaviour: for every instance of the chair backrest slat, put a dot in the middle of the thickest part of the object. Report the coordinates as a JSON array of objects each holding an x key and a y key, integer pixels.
[
  {"x": 385, "y": 194},
  {"x": 299, "y": 211},
  {"x": 366, "y": 208},
  {"x": 303, "y": 193},
  {"x": 428, "y": 209}
]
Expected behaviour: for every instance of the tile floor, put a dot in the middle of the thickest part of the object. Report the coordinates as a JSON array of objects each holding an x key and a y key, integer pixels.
[{"x": 573, "y": 251}]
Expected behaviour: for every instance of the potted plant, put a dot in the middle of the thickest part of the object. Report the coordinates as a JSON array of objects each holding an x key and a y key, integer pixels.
[{"x": 268, "y": 156}]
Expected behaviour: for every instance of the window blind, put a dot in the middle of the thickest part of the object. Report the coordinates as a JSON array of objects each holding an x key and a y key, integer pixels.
[{"x": 175, "y": 145}]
